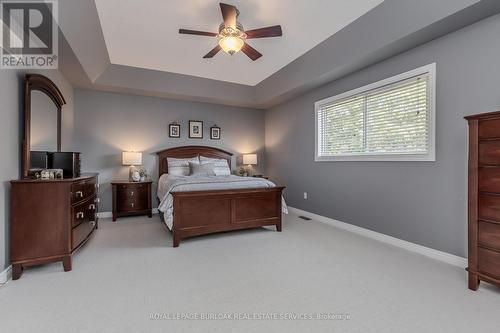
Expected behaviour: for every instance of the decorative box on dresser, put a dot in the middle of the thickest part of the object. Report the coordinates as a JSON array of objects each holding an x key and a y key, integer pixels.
[
  {"x": 131, "y": 198},
  {"x": 51, "y": 219},
  {"x": 484, "y": 199}
]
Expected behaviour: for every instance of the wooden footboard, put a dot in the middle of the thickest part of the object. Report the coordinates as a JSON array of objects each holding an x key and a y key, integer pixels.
[{"x": 203, "y": 212}]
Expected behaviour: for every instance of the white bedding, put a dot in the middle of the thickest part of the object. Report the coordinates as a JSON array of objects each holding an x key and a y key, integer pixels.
[{"x": 169, "y": 183}]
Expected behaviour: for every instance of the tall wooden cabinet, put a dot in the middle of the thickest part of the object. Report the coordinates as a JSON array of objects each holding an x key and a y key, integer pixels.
[
  {"x": 484, "y": 199},
  {"x": 50, "y": 219}
]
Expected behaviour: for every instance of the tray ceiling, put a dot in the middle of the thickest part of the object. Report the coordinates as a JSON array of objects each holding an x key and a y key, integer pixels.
[{"x": 144, "y": 34}]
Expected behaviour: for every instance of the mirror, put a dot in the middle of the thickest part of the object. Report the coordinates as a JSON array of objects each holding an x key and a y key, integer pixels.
[
  {"x": 42, "y": 121},
  {"x": 43, "y": 129}
]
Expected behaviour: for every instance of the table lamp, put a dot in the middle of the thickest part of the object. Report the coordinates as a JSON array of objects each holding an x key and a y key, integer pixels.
[
  {"x": 132, "y": 159},
  {"x": 250, "y": 159}
]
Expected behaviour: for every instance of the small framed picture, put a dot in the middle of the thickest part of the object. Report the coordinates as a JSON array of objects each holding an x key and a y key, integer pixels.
[
  {"x": 195, "y": 129},
  {"x": 215, "y": 133},
  {"x": 174, "y": 130}
]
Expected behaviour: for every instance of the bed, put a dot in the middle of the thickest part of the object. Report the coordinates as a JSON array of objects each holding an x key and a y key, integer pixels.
[{"x": 194, "y": 206}]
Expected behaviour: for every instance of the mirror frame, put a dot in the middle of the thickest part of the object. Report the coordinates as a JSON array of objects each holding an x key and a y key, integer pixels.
[{"x": 45, "y": 85}]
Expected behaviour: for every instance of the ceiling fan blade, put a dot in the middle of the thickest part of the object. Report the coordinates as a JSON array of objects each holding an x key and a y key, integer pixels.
[
  {"x": 251, "y": 52},
  {"x": 274, "y": 31},
  {"x": 196, "y": 32},
  {"x": 213, "y": 52},
  {"x": 229, "y": 14}
]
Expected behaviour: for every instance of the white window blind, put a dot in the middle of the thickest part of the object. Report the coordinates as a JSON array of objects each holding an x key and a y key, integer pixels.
[{"x": 388, "y": 120}]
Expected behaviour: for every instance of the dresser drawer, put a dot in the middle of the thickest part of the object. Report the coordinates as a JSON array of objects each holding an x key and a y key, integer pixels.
[
  {"x": 489, "y": 262},
  {"x": 489, "y": 234},
  {"x": 83, "y": 190},
  {"x": 82, "y": 212},
  {"x": 489, "y": 153},
  {"x": 81, "y": 232},
  {"x": 489, "y": 129},
  {"x": 489, "y": 207},
  {"x": 489, "y": 179}
]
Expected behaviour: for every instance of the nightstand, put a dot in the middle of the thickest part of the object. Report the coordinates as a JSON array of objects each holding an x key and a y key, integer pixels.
[{"x": 131, "y": 198}]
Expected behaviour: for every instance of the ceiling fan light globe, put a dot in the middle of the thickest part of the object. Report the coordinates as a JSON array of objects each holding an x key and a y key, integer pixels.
[{"x": 231, "y": 44}]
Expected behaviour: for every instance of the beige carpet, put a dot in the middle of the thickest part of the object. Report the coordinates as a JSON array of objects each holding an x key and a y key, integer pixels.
[{"x": 129, "y": 270}]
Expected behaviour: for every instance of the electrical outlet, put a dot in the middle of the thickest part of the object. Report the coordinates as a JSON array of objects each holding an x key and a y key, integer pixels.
[{"x": 305, "y": 195}]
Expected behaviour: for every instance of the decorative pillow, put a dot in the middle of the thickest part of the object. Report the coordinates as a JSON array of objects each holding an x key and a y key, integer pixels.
[
  {"x": 221, "y": 167},
  {"x": 180, "y": 166},
  {"x": 202, "y": 169}
]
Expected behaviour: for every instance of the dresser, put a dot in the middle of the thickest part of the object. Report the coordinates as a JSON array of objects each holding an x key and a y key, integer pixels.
[
  {"x": 131, "y": 198},
  {"x": 484, "y": 199},
  {"x": 50, "y": 219}
]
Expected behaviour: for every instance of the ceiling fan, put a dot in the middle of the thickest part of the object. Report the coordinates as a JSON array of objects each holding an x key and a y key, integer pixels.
[{"x": 232, "y": 37}]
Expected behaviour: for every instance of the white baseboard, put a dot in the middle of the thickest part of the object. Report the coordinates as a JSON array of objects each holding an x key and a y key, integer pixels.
[
  {"x": 426, "y": 251},
  {"x": 6, "y": 275},
  {"x": 105, "y": 215}
]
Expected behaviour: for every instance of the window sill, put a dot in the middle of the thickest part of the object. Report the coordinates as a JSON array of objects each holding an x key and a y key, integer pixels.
[{"x": 377, "y": 158}]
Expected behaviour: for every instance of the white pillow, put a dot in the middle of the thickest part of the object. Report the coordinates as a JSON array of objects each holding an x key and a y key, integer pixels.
[
  {"x": 221, "y": 167},
  {"x": 180, "y": 166},
  {"x": 202, "y": 169}
]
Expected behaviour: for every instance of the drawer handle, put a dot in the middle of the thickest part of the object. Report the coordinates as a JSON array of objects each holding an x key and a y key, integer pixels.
[
  {"x": 79, "y": 194},
  {"x": 131, "y": 193},
  {"x": 132, "y": 205},
  {"x": 92, "y": 206},
  {"x": 79, "y": 215}
]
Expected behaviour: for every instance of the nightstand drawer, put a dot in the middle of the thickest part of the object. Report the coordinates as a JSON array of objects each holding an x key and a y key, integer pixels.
[
  {"x": 130, "y": 192},
  {"x": 137, "y": 203}
]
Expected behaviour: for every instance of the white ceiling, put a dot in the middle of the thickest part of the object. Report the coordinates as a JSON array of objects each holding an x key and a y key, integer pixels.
[{"x": 145, "y": 34}]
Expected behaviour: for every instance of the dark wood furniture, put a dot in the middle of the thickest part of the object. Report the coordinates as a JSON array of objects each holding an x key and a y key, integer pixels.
[
  {"x": 131, "y": 198},
  {"x": 203, "y": 212},
  {"x": 50, "y": 220},
  {"x": 484, "y": 199}
]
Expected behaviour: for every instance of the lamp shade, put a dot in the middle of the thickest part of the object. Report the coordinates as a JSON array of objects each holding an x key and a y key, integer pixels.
[
  {"x": 131, "y": 158},
  {"x": 250, "y": 159},
  {"x": 231, "y": 44}
]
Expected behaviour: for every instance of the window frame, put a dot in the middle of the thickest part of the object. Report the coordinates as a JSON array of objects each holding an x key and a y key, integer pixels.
[{"x": 430, "y": 156}]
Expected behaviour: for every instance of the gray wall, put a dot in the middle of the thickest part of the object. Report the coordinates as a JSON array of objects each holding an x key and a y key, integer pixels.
[
  {"x": 422, "y": 202},
  {"x": 109, "y": 123},
  {"x": 11, "y": 95}
]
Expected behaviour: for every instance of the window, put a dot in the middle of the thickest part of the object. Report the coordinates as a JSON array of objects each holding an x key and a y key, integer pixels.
[{"x": 390, "y": 120}]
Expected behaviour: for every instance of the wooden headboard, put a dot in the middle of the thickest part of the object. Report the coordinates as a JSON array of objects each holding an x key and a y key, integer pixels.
[{"x": 190, "y": 151}]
